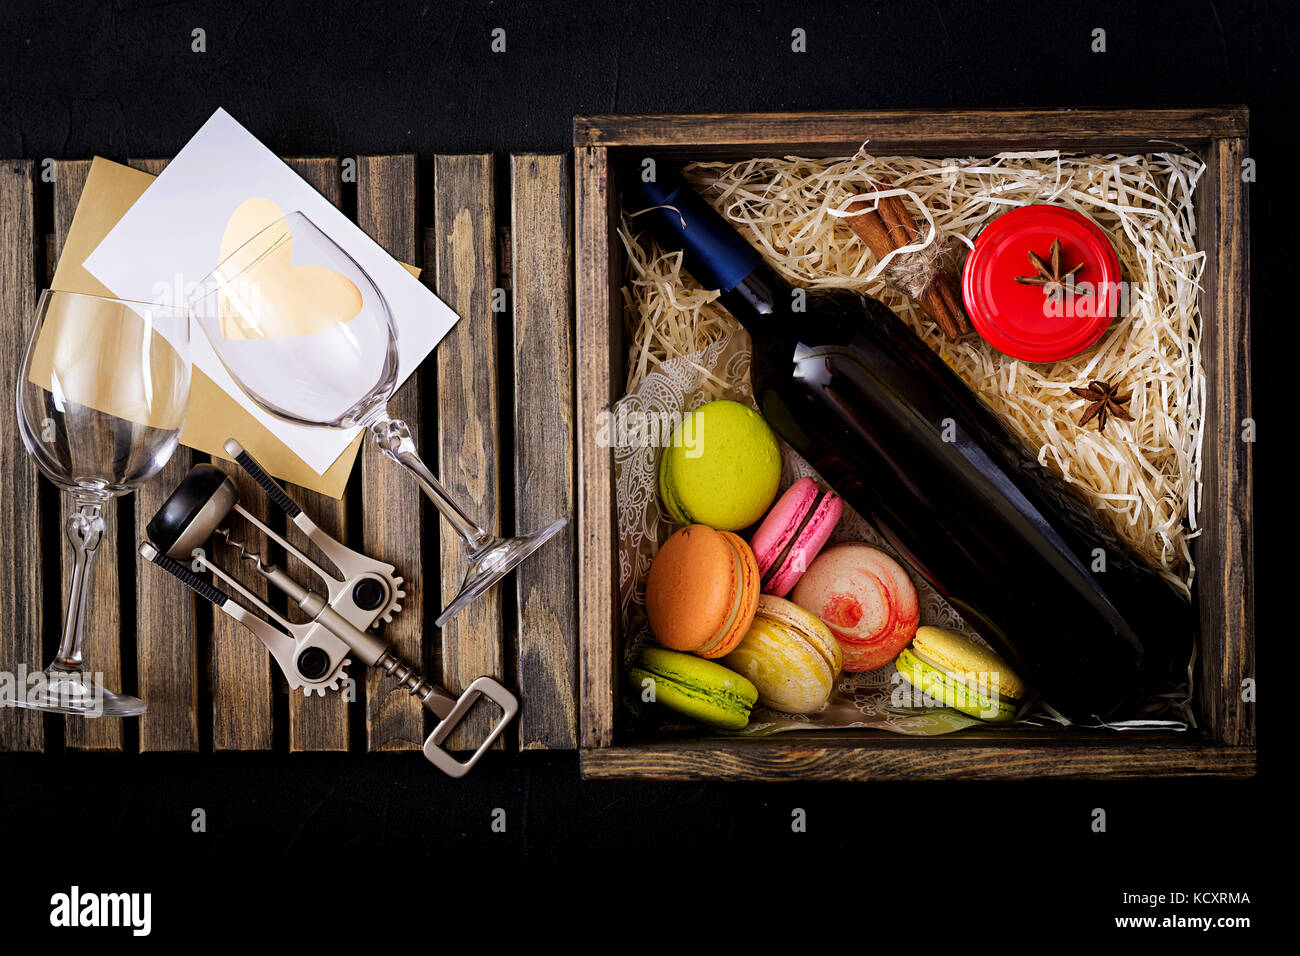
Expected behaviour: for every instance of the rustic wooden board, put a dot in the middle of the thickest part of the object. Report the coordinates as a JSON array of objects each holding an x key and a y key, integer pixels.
[
  {"x": 597, "y": 277},
  {"x": 392, "y": 525},
  {"x": 468, "y": 417},
  {"x": 241, "y": 664},
  {"x": 166, "y": 622},
  {"x": 851, "y": 758},
  {"x": 541, "y": 217},
  {"x": 103, "y": 627},
  {"x": 20, "y": 511},
  {"x": 315, "y": 722},
  {"x": 1226, "y": 563},
  {"x": 942, "y": 132},
  {"x": 432, "y": 552}
]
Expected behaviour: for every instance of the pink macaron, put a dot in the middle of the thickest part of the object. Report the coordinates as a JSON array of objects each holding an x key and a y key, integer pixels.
[
  {"x": 867, "y": 600},
  {"x": 793, "y": 532}
]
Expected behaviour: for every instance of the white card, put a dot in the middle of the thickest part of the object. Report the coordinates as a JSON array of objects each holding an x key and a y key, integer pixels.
[{"x": 171, "y": 237}]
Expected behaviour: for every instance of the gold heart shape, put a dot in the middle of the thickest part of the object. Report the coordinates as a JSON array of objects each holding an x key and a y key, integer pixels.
[{"x": 292, "y": 300}]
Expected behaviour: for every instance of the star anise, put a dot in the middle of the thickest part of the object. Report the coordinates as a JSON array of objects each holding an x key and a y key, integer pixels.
[
  {"x": 1104, "y": 402},
  {"x": 1055, "y": 283}
]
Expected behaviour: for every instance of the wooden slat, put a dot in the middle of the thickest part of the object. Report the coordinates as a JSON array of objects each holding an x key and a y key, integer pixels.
[
  {"x": 319, "y": 723},
  {"x": 392, "y": 524},
  {"x": 20, "y": 542},
  {"x": 468, "y": 416},
  {"x": 1226, "y": 566},
  {"x": 103, "y": 627},
  {"x": 166, "y": 628},
  {"x": 596, "y": 273},
  {"x": 541, "y": 276},
  {"x": 942, "y": 132},
  {"x": 241, "y": 664},
  {"x": 852, "y": 757}
]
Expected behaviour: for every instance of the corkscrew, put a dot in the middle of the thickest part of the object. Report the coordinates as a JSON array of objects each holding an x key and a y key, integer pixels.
[{"x": 313, "y": 655}]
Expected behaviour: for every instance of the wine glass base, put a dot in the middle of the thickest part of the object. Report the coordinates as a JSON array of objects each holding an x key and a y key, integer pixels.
[
  {"x": 494, "y": 561},
  {"x": 76, "y": 693}
]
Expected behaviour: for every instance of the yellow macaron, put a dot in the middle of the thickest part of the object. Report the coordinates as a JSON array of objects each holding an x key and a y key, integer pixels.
[{"x": 790, "y": 656}]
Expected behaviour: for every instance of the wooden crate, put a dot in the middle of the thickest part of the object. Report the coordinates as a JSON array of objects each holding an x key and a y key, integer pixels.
[
  {"x": 493, "y": 413},
  {"x": 1224, "y": 553}
]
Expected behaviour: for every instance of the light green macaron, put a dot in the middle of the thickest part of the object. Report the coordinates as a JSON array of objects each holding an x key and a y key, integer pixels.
[
  {"x": 722, "y": 467},
  {"x": 699, "y": 689},
  {"x": 961, "y": 674}
]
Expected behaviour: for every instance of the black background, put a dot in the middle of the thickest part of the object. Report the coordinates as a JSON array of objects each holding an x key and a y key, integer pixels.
[{"x": 338, "y": 78}]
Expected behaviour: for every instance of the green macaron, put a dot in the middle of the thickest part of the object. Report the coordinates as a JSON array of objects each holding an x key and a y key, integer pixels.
[
  {"x": 722, "y": 467},
  {"x": 699, "y": 689},
  {"x": 961, "y": 674}
]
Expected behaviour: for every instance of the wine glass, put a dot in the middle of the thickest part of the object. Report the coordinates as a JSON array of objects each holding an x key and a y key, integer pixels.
[
  {"x": 101, "y": 398},
  {"x": 304, "y": 331}
]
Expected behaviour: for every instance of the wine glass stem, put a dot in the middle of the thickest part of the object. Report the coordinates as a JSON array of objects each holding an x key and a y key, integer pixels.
[
  {"x": 394, "y": 439},
  {"x": 85, "y": 530}
]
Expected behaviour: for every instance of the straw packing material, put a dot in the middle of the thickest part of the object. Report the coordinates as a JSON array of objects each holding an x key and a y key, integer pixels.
[{"x": 1142, "y": 476}]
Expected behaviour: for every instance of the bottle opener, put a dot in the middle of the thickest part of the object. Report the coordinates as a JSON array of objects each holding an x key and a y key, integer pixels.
[{"x": 313, "y": 655}]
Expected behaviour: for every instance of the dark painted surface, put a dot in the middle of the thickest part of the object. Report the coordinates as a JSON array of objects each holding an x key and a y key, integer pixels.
[{"x": 337, "y": 78}]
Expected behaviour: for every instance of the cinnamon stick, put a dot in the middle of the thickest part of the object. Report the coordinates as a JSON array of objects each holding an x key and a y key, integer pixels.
[
  {"x": 902, "y": 227},
  {"x": 952, "y": 298},
  {"x": 872, "y": 230},
  {"x": 890, "y": 226}
]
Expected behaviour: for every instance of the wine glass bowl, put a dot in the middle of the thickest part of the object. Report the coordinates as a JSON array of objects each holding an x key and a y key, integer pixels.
[
  {"x": 300, "y": 326},
  {"x": 63, "y": 423},
  {"x": 304, "y": 331},
  {"x": 101, "y": 400}
]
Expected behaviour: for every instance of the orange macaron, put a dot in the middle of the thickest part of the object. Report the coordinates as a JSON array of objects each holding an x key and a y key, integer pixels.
[{"x": 702, "y": 591}]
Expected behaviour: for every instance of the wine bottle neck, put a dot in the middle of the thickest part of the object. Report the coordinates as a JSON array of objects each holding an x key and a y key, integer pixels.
[
  {"x": 713, "y": 251},
  {"x": 756, "y": 298}
]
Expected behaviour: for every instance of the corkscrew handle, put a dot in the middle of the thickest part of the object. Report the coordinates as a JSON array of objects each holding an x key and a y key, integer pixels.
[
  {"x": 278, "y": 642},
  {"x": 183, "y": 574},
  {"x": 255, "y": 471}
]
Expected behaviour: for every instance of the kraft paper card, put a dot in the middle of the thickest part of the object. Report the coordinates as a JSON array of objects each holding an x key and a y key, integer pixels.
[{"x": 218, "y": 192}]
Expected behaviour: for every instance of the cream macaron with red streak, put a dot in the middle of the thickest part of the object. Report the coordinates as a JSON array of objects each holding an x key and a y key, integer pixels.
[
  {"x": 793, "y": 533},
  {"x": 790, "y": 656},
  {"x": 866, "y": 599}
]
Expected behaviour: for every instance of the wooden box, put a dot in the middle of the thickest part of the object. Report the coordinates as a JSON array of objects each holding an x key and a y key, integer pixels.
[{"x": 1224, "y": 743}]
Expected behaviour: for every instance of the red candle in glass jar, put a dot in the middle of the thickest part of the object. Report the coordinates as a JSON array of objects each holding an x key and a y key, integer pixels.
[{"x": 1022, "y": 320}]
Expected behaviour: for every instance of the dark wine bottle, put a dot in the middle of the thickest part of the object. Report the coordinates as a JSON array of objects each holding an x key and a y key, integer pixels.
[{"x": 901, "y": 438}]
